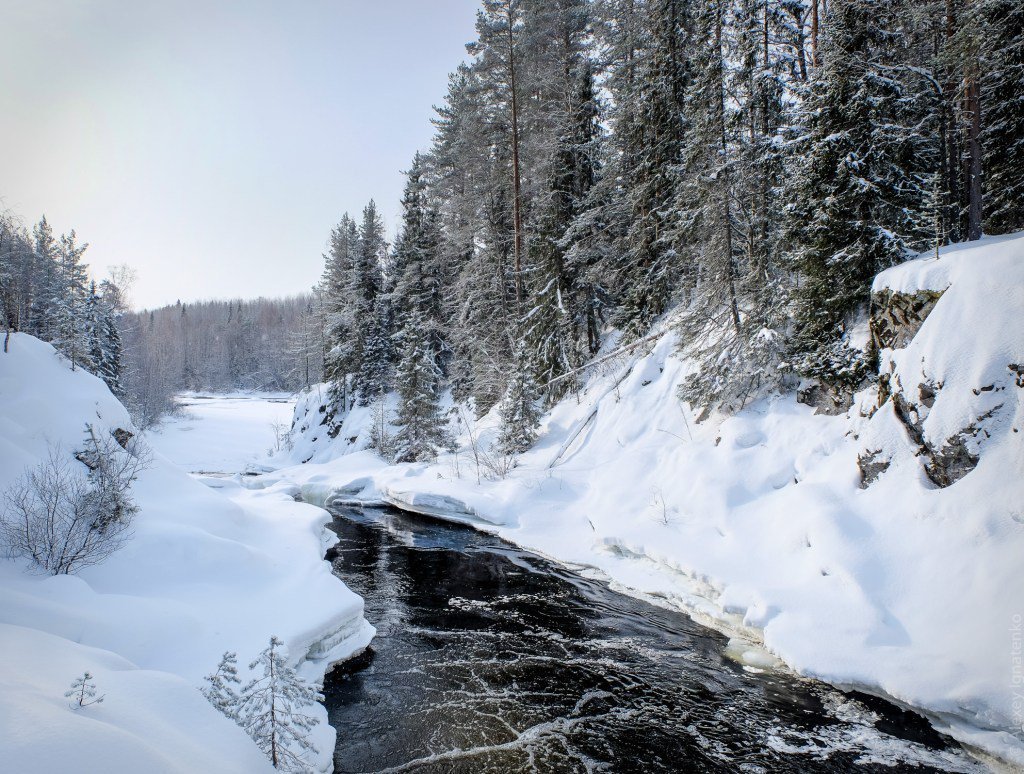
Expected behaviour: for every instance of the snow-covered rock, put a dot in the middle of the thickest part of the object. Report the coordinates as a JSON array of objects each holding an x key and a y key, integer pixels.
[
  {"x": 758, "y": 523},
  {"x": 205, "y": 572}
]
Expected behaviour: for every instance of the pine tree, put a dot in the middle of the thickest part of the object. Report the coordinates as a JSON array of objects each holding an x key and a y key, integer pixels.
[
  {"x": 219, "y": 689},
  {"x": 270, "y": 709},
  {"x": 83, "y": 691},
  {"x": 422, "y": 429}
]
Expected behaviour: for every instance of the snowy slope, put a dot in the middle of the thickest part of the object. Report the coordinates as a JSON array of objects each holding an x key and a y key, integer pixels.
[
  {"x": 204, "y": 573},
  {"x": 758, "y": 522}
]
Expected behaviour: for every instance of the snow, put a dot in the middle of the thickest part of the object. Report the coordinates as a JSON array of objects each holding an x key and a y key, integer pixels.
[
  {"x": 757, "y": 523},
  {"x": 207, "y": 570},
  {"x": 223, "y": 432}
]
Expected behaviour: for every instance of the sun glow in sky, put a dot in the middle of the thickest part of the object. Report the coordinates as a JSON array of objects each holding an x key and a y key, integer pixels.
[{"x": 213, "y": 144}]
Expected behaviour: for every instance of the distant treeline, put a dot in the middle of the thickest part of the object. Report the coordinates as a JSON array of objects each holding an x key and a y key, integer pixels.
[{"x": 265, "y": 344}]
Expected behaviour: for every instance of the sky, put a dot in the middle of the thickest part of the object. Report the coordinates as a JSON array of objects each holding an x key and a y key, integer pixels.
[{"x": 210, "y": 144}]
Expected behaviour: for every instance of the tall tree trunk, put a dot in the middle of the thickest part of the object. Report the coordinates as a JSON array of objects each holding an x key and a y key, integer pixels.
[
  {"x": 972, "y": 97},
  {"x": 730, "y": 268},
  {"x": 517, "y": 213},
  {"x": 814, "y": 32}
]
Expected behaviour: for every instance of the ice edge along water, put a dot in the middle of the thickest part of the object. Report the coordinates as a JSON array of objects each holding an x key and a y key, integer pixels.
[
  {"x": 208, "y": 569},
  {"x": 756, "y": 524}
]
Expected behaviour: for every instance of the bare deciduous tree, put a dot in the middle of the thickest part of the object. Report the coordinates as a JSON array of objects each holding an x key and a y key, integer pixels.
[{"x": 63, "y": 518}]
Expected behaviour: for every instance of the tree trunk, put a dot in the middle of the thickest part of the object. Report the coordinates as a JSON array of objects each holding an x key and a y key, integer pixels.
[
  {"x": 517, "y": 215},
  {"x": 972, "y": 96},
  {"x": 814, "y": 33},
  {"x": 730, "y": 269}
]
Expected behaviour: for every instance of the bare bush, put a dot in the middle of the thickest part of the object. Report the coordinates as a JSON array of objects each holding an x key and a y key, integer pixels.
[{"x": 64, "y": 518}]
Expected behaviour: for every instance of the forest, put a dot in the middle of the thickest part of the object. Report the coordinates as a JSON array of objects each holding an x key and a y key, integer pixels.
[{"x": 737, "y": 170}]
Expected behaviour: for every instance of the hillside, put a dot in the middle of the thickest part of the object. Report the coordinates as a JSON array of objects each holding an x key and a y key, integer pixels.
[{"x": 878, "y": 549}]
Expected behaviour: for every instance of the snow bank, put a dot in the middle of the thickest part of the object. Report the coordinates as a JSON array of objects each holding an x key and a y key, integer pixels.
[
  {"x": 223, "y": 432},
  {"x": 758, "y": 523},
  {"x": 206, "y": 571}
]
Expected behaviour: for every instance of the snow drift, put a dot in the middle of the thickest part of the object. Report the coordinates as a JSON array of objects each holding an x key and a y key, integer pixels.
[
  {"x": 879, "y": 549},
  {"x": 203, "y": 574}
]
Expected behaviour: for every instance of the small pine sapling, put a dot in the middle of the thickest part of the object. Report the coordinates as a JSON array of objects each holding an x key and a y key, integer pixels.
[
  {"x": 219, "y": 689},
  {"x": 83, "y": 692},
  {"x": 270, "y": 710}
]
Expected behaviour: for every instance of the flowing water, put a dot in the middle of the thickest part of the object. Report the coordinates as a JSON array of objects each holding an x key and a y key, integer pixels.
[{"x": 491, "y": 659}]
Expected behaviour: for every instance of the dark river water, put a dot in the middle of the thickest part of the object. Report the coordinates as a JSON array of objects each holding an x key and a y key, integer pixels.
[{"x": 491, "y": 659}]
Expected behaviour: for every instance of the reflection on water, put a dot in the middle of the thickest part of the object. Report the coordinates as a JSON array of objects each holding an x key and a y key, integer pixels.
[{"x": 489, "y": 658}]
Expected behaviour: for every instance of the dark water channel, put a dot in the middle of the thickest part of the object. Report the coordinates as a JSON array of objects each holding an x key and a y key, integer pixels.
[{"x": 491, "y": 659}]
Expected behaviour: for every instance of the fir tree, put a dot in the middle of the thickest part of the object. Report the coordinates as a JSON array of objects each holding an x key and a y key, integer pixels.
[
  {"x": 422, "y": 430},
  {"x": 270, "y": 709},
  {"x": 519, "y": 411},
  {"x": 861, "y": 189}
]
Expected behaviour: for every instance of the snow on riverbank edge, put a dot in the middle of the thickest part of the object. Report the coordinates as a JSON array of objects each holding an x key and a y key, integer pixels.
[
  {"x": 205, "y": 572},
  {"x": 758, "y": 524}
]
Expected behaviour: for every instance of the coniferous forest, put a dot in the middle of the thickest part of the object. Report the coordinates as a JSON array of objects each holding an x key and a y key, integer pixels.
[{"x": 736, "y": 170}]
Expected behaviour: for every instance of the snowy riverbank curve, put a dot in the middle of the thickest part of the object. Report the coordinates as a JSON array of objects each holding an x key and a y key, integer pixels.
[{"x": 206, "y": 571}]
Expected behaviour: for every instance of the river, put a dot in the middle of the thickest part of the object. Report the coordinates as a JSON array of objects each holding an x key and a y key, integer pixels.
[{"x": 491, "y": 659}]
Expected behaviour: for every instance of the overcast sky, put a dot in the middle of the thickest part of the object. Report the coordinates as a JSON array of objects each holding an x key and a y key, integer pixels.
[{"x": 210, "y": 144}]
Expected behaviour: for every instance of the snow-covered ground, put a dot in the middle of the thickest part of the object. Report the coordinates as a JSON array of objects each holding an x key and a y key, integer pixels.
[
  {"x": 758, "y": 524},
  {"x": 223, "y": 433},
  {"x": 207, "y": 570}
]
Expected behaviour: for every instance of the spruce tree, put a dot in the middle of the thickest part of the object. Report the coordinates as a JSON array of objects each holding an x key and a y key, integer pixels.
[
  {"x": 1003, "y": 133},
  {"x": 47, "y": 295},
  {"x": 861, "y": 186},
  {"x": 422, "y": 429},
  {"x": 519, "y": 409},
  {"x": 650, "y": 135},
  {"x": 371, "y": 312},
  {"x": 559, "y": 325},
  {"x": 70, "y": 324}
]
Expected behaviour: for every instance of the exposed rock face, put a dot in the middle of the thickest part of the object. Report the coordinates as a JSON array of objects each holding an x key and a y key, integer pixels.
[
  {"x": 122, "y": 437},
  {"x": 872, "y": 464},
  {"x": 895, "y": 320},
  {"x": 826, "y": 399},
  {"x": 897, "y": 317}
]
